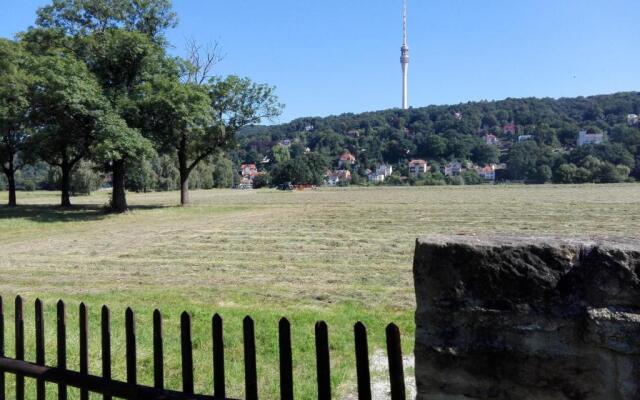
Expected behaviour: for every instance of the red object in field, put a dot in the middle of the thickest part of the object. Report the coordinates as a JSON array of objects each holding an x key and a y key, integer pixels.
[{"x": 305, "y": 186}]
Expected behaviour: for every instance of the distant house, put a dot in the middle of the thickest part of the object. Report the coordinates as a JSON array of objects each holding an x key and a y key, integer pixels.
[
  {"x": 332, "y": 180},
  {"x": 491, "y": 140},
  {"x": 335, "y": 177},
  {"x": 417, "y": 167},
  {"x": 248, "y": 170},
  {"x": 457, "y": 115},
  {"x": 454, "y": 168},
  {"x": 309, "y": 128},
  {"x": 524, "y": 138},
  {"x": 488, "y": 172},
  {"x": 355, "y": 133},
  {"x": 509, "y": 128},
  {"x": 384, "y": 169},
  {"x": 375, "y": 178},
  {"x": 633, "y": 119},
  {"x": 245, "y": 183},
  {"x": 346, "y": 159},
  {"x": 380, "y": 173},
  {"x": 590, "y": 138}
]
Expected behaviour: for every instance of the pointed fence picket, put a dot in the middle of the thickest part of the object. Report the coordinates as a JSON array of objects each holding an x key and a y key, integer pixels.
[{"x": 131, "y": 389}]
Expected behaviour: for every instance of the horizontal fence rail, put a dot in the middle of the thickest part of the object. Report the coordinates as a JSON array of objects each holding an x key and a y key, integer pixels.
[
  {"x": 63, "y": 377},
  {"x": 92, "y": 383}
]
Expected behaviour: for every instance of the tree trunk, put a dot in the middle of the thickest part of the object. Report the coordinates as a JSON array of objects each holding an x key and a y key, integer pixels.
[
  {"x": 184, "y": 190},
  {"x": 184, "y": 172},
  {"x": 10, "y": 172},
  {"x": 12, "y": 187},
  {"x": 118, "y": 197},
  {"x": 66, "y": 185}
]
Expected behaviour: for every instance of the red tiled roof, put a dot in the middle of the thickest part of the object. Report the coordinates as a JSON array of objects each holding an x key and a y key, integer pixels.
[
  {"x": 510, "y": 127},
  {"x": 487, "y": 168},
  {"x": 346, "y": 156}
]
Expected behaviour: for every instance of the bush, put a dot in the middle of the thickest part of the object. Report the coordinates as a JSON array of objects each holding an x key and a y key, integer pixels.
[
  {"x": 262, "y": 180},
  {"x": 202, "y": 176},
  {"x": 356, "y": 179},
  {"x": 433, "y": 181},
  {"x": 85, "y": 179},
  {"x": 140, "y": 176},
  {"x": 29, "y": 185},
  {"x": 223, "y": 173},
  {"x": 582, "y": 175},
  {"x": 455, "y": 180},
  {"x": 565, "y": 173},
  {"x": 52, "y": 181},
  {"x": 429, "y": 179},
  {"x": 471, "y": 177},
  {"x": 393, "y": 180},
  {"x": 609, "y": 173},
  {"x": 636, "y": 171},
  {"x": 543, "y": 174},
  {"x": 167, "y": 176}
]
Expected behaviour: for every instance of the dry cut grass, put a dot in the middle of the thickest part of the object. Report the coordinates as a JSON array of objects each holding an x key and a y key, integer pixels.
[{"x": 340, "y": 255}]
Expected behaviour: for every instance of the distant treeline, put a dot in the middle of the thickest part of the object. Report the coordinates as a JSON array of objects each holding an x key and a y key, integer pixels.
[
  {"x": 155, "y": 173},
  {"x": 537, "y": 139}
]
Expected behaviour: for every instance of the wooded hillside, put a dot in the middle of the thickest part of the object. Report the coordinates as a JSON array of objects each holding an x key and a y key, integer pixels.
[{"x": 457, "y": 132}]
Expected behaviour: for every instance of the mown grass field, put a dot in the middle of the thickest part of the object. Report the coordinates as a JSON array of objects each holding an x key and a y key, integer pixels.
[{"x": 339, "y": 255}]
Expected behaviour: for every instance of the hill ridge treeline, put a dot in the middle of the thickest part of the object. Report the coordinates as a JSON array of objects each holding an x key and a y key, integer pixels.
[{"x": 442, "y": 133}]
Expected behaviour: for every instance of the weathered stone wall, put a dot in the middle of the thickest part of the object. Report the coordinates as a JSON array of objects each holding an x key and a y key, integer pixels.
[{"x": 527, "y": 318}]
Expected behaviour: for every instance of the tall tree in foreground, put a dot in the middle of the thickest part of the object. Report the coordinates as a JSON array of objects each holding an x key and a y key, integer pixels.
[
  {"x": 178, "y": 116},
  {"x": 68, "y": 107},
  {"x": 122, "y": 42},
  {"x": 122, "y": 62},
  {"x": 195, "y": 120},
  {"x": 14, "y": 109}
]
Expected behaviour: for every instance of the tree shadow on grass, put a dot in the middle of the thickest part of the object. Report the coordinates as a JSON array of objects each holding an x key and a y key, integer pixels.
[{"x": 77, "y": 213}]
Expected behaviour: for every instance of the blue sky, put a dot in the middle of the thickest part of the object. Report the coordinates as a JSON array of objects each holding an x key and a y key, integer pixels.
[{"x": 335, "y": 56}]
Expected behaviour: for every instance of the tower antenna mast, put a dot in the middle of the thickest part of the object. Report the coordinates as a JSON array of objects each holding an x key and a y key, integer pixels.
[
  {"x": 404, "y": 23},
  {"x": 404, "y": 59}
]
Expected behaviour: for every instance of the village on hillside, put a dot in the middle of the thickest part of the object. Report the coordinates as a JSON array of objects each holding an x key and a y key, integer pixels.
[{"x": 344, "y": 168}]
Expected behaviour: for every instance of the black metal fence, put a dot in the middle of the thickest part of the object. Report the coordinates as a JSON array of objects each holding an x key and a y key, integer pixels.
[{"x": 108, "y": 387}]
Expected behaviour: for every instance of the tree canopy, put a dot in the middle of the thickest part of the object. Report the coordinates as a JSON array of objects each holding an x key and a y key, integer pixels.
[
  {"x": 99, "y": 86},
  {"x": 82, "y": 17}
]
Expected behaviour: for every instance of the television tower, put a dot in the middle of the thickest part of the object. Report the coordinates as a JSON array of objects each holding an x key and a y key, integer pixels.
[{"x": 404, "y": 60}]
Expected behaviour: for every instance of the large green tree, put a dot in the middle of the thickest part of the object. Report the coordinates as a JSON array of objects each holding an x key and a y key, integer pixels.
[
  {"x": 238, "y": 102},
  {"x": 194, "y": 120},
  {"x": 14, "y": 110},
  {"x": 122, "y": 42},
  {"x": 179, "y": 118},
  {"x": 68, "y": 114},
  {"x": 307, "y": 169},
  {"x": 122, "y": 62}
]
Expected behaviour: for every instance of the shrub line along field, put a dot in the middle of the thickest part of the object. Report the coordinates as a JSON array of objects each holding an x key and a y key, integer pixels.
[{"x": 339, "y": 255}]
